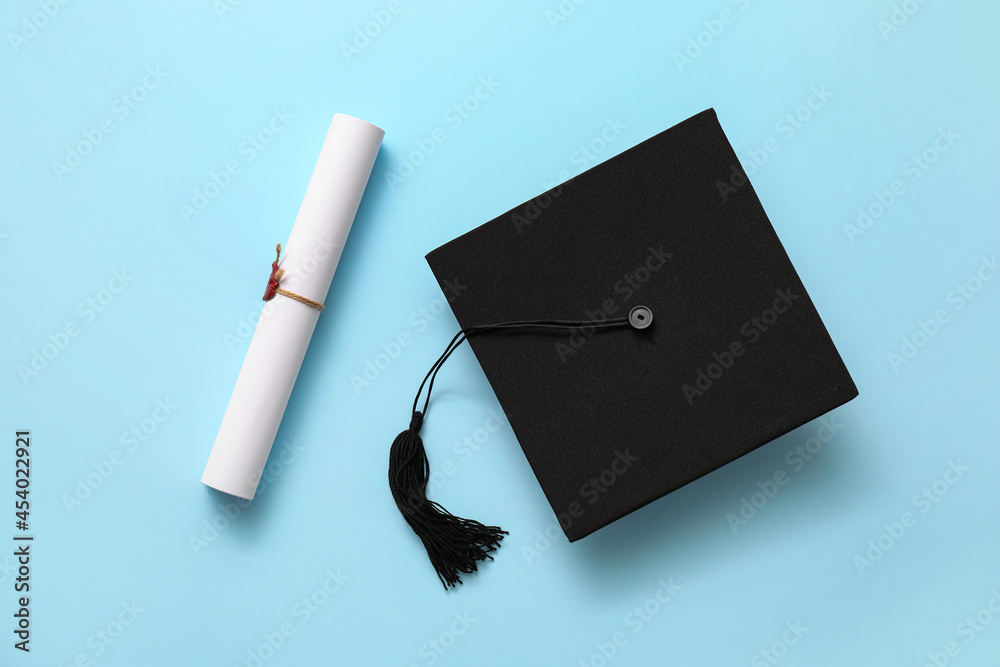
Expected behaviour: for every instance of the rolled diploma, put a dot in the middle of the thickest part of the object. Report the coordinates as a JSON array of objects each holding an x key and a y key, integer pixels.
[{"x": 282, "y": 335}]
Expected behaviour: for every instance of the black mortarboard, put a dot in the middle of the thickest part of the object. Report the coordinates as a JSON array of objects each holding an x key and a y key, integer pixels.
[{"x": 612, "y": 416}]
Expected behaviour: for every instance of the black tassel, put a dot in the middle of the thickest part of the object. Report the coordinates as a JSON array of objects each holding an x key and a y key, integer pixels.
[{"x": 454, "y": 545}]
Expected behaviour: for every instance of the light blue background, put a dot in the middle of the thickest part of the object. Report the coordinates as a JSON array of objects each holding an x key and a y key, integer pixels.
[{"x": 174, "y": 333}]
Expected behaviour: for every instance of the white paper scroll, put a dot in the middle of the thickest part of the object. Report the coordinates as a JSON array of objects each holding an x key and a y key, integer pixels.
[{"x": 282, "y": 335}]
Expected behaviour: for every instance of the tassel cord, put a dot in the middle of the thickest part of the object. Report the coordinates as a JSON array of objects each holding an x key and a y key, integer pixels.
[{"x": 464, "y": 334}]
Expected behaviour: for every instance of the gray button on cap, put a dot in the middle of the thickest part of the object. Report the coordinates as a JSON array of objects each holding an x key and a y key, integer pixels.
[{"x": 640, "y": 317}]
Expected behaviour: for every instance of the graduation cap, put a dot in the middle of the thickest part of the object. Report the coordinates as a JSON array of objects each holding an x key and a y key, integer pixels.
[{"x": 641, "y": 326}]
